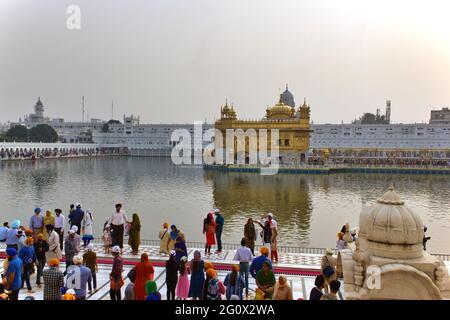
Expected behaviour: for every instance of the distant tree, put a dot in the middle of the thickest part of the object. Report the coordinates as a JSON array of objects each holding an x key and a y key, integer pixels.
[
  {"x": 17, "y": 133},
  {"x": 370, "y": 118},
  {"x": 105, "y": 127},
  {"x": 43, "y": 133}
]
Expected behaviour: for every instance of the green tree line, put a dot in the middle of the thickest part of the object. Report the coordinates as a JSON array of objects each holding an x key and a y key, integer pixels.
[{"x": 39, "y": 133}]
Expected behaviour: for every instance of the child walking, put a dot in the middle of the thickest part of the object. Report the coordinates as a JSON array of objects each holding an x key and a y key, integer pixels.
[{"x": 106, "y": 238}]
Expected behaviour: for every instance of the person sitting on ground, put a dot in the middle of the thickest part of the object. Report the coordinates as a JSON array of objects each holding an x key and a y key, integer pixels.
[
  {"x": 258, "y": 261},
  {"x": 316, "y": 292},
  {"x": 334, "y": 289},
  {"x": 265, "y": 280},
  {"x": 282, "y": 290}
]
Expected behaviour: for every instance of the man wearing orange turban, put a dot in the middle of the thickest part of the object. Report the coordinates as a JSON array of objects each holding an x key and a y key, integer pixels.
[{"x": 258, "y": 261}]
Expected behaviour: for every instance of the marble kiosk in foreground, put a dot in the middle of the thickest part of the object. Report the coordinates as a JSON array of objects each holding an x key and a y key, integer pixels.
[{"x": 389, "y": 261}]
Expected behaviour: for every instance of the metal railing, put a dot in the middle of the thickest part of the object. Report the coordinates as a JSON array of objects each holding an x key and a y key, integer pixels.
[{"x": 281, "y": 249}]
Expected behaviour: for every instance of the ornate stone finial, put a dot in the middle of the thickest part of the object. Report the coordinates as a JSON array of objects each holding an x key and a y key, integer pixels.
[
  {"x": 287, "y": 87},
  {"x": 226, "y": 102},
  {"x": 391, "y": 197}
]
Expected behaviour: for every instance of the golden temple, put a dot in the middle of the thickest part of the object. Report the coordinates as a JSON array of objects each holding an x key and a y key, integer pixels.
[{"x": 292, "y": 124}]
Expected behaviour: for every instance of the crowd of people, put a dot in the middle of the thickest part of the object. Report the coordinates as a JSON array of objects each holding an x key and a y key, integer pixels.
[
  {"x": 32, "y": 154},
  {"x": 29, "y": 250}
]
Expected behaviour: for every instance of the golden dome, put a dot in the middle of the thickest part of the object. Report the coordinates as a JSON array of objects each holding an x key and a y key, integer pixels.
[
  {"x": 280, "y": 111},
  {"x": 227, "y": 112}
]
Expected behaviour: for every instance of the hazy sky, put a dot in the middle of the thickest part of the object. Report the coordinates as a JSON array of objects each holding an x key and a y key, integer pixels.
[{"x": 177, "y": 60}]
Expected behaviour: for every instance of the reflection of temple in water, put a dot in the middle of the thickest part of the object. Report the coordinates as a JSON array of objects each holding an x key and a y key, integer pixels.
[{"x": 244, "y": 195}]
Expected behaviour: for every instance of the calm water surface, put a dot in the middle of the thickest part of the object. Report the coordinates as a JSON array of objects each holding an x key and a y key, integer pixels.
[{"x": 310, "y": 209}]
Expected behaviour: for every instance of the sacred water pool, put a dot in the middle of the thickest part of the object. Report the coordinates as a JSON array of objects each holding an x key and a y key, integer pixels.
[{"x": 310, "y": 209}]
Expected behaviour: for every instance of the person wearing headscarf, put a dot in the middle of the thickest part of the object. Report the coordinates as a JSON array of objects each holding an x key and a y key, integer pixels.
[
  {"x": 48, "y": 219},
  {"x": 164, "y": 237},
  {"x": 144, "y": 272},
  {"x": 174, "y": 233},
  {"x": 234, "y": 283},
  {"x": 37, "y": 222},
  {"x": 40, "y": 248},
  {"x": 54, "y": 250},
  {"x": 172, "y": 267},
  {"x": 135, "y": 234},
  {"x": 282, "y": 290},
  {"x": 53, "y": 280},
  {"x": 197, "y": 276},
  {"x": 28, "y": 257},
  {"x": 182, "y": 291},
  {"x": 347, "y": 235},
  {"x": 215, "y": 288},
  {"x": 341, "y": 244},
  {"x": 180, "y": 248},
  {"x": 209, "y": 227},
  {"x": 152, "y": 291},
  {"x": 266, "y": 232},
  {"x": 250, "y": 235},
  {"x": 265, "y": 280},
  {"x": 11, "y": 235},
  {"x": 274, "y": 246},
  {"x": 77, "y": 237},
  {"x": 88, "y": 234}
]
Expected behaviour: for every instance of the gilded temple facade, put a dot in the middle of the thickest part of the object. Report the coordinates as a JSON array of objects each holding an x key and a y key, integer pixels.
[{"x": 293, "y": 126}]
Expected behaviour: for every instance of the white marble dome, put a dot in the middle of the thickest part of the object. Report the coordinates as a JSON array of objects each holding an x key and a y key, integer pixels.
[{"x": 390, "y": 221}]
